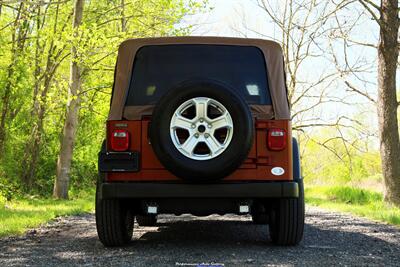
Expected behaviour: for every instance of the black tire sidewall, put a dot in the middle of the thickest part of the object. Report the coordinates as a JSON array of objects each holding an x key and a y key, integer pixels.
[
  {"x": 114, "y": 219},
  {"x": 201, "y": 170},
  {"x": 287, "y": 219}
]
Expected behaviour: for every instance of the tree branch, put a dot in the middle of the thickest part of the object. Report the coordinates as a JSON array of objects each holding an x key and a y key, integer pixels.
[
  {"x": 373, "y": 4},
  {"x": 363, "y": 44},
  {"x": 365, "y": 4},
  {"x": 359, "y": 92}
]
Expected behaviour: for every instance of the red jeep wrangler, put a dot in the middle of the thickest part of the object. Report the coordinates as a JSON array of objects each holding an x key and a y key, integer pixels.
[{"x": 199, "y": 125}]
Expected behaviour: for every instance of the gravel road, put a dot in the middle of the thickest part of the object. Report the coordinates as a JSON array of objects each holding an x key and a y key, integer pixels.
[{"x": 330, "y": 239}]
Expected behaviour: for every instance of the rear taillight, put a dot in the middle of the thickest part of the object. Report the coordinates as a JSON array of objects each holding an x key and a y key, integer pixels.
[
  {"x": 276, "y": 139},
  {"x": 119, "y": 140}
]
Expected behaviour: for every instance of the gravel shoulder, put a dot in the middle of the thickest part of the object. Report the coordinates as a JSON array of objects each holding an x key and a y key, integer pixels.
[{"x": 330, "y": 239}]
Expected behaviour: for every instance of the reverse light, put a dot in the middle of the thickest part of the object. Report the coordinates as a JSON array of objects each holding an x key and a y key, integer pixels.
[
  {"x": 119, "y": 140},
  {"x": 276, "y": 139}
]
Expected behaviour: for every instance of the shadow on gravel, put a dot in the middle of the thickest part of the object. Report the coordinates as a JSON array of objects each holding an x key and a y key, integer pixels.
[
  {"x": 211, "y": 233},
  {"x": 329, "y": 240}
]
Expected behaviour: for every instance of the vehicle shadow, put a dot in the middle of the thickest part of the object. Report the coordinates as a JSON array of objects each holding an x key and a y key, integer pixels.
[{"x": 199, "y": 231}]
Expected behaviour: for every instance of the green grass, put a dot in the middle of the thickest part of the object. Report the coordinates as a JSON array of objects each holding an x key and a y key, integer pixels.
[
  {"x": 357, "y": 201},
  {"x": 19, "y": 215}
]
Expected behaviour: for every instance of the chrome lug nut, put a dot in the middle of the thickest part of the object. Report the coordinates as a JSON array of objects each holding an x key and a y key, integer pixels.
[
  {"x": 196, "y": 135},
  {"x": 206, "y": 135}
]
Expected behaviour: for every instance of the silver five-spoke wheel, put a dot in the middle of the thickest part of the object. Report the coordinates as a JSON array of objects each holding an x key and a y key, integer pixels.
[{"x": 201, "y": 128}]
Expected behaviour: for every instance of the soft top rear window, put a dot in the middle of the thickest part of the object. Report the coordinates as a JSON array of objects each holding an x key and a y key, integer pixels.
[{"x": 159, "y": 68}]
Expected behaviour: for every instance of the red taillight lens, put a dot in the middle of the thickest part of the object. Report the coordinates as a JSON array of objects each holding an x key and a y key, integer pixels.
[
  {"x": 276, "y": 139},
  {"x": 119, "y": 140}
]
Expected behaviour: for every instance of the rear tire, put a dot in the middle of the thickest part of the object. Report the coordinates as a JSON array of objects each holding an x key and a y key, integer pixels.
[
  {"x": 114, "y": 221},
  {"x": 146, "y": 220},
  {"x": 287, "y": 220}
]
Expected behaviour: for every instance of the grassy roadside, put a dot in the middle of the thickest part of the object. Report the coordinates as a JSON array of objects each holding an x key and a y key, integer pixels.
[
  {"x": 19, "y": 215},
  {"x": 357, "y": 201}
]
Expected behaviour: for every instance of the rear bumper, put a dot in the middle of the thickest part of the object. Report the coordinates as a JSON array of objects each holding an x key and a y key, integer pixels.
[{"x": 221, "y": 190}]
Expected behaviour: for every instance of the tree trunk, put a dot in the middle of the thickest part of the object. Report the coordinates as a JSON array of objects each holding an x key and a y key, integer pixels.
[
  {"x": 71, "y": 121},
  {"x": 123, "y": 19},
  {"x": 387, "y": 100},
  {"x": 18, "y": 44},
  {"x": 27, "y": 172},
  {"x": 32, "y": 148},
  {"x": 33, "y": 145}
]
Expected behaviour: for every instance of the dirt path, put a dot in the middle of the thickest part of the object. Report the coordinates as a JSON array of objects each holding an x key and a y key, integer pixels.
[{"x": 330, "y": 239}]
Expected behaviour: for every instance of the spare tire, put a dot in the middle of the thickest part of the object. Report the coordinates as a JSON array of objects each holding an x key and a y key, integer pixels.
[{"x": 201, "y": 130}]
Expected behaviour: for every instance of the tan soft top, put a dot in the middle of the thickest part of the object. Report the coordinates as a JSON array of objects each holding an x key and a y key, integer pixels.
[{"x": 273, "y": 58}]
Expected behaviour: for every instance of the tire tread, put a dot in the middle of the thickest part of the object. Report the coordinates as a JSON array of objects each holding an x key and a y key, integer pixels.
[
  {"x": 288, "y": 225},
  {"x": 111, "y": 221}
]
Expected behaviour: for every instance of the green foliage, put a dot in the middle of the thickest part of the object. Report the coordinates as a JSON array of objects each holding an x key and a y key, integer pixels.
[
  {"x": 357, "y": 201},
  {"x": 36, "y": 69},
  {"x": 344, "y": 174},
  {"x": 328, "y": 161}
]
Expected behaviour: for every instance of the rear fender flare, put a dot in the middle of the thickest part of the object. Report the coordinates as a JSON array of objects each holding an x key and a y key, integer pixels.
[{"x": 296, "y": 160}]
